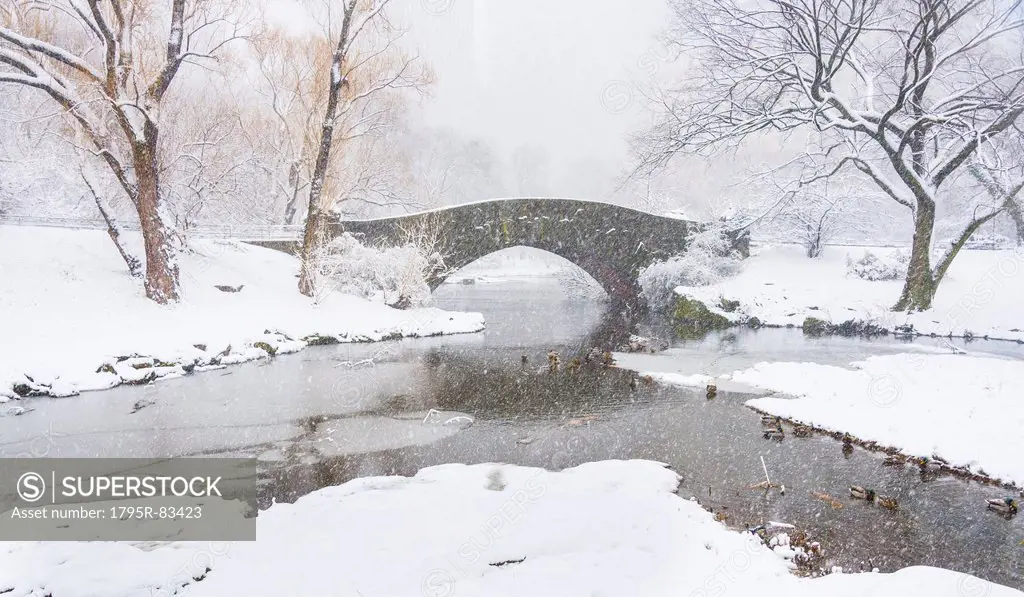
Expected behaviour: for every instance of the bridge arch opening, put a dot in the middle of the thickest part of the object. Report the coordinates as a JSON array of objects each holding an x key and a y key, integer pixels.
[{"x": 524, "y": 263}]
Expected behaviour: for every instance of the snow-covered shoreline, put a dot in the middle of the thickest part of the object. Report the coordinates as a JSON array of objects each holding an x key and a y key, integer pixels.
[
  {"x": 73, "y": 320},
  {"x": 962, "y": 409},
  {"x": 780, "y": 286},
  {"x": 602, "y": 528}
]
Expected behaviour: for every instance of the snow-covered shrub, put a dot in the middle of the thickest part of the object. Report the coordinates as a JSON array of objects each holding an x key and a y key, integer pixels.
[
  {"x": 395, "y": 276},
  {"x": 870, "y": 266},
  {"x": 709, "y": 258}
]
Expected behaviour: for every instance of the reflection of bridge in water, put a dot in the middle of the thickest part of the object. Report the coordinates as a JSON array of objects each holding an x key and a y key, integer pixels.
[{"x": 611, "y": 243}]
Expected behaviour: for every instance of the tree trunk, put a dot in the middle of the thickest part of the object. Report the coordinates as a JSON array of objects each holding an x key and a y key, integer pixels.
[
  {"x": 292, "y": 206},
  {"x": 311, "y": 239},
  {"x": 919, "y": 287},
  {"x": 1017, "y": 215},
  {"x": 315, "y": 225},
  {"x": 161, "y": 269},
  {"x": 313, "y": 233},
  {"x": 113, "y": 231}
]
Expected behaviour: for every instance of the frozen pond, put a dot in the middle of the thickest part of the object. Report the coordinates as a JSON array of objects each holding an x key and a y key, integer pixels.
[{"x": 329, "y": 414}]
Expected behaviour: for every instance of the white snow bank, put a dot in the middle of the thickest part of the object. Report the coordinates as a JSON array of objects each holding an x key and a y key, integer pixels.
[
  {"x": 604, "y": 528},
  {"x": 962, "y": 408},
  {"x": 780, "y": 285},
  {"x": 68, "y": 306}
]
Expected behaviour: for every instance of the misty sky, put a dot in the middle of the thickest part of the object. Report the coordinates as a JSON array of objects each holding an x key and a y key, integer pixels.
[
  {"x": 544, "y": 73},
  {"x": 564, "y": 79}
]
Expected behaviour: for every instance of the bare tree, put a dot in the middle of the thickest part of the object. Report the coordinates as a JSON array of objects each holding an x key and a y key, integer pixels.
[
  {"x": 208, "y": 171},
  {"x": 448, "y": 169},
  {"x": 815, "y": 215},
  {"x": 796, "y": 203},
  {"x": 905, "y": 91},
  {"x": 364, "y": 66},
  {"x": 999, "y": 169},
  {"x": 34, "y": 158},
  {"x": 293, "y": 82},
  {"x": 99, "y": 61},
  {"x": 113, "y": 230}
]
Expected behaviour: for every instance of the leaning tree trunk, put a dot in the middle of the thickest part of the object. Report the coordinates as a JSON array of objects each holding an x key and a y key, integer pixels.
[
  {"x": 315, "y": 216},
  {"x": 113, "y": 230},
  {"x": 311, "y": 240},
  {"x": 313, "y": 234},
  {"x": 919, "y": 287},
  {"x": 161, "y": 269}
]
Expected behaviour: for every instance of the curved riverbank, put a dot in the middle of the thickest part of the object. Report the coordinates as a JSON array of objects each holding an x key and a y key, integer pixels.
[{"x": 74, "y": 320}]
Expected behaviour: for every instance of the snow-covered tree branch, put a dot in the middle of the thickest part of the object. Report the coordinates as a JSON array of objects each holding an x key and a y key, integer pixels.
[
  {"x": 905, "y": 91},
  {"x": 108, "y": 65}
]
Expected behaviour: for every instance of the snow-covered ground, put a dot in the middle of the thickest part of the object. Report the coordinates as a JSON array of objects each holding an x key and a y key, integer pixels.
[
  {"x": 962, "y": 408},
  {"x": 69, "y": 311},
  {"x": 604, "y": 528},
  {"x": 779, "y": 285}
]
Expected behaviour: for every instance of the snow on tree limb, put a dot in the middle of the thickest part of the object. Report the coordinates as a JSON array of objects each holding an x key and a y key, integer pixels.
[
  {"x": 909, "y": 89},
  {"x": 90, "y": 58}
]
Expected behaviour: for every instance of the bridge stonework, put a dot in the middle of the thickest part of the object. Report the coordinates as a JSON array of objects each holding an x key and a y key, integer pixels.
[{"x": 611, "y": 243}]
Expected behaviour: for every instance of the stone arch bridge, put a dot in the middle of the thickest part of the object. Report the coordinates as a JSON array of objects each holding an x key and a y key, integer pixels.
[{"x": 611, "y": 243}]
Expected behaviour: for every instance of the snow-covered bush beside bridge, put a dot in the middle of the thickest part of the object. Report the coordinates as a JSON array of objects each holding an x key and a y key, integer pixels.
[
  {"x": 394, "y": 276},
  {"x": 709, "y": 258}
]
